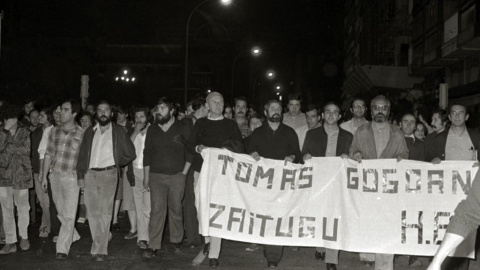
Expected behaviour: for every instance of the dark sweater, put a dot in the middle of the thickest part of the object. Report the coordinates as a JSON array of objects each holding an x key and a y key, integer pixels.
[
  {"x": 211, "y": 133},
  {"x": 35, "y": 138},
  {"x": 435, "y": 143},
  {"x": 316, "y": 142},
  {"x": 276, "y": 144},
  {"x": 416, "y": 149},
  {"x": 164, "y": 151}
]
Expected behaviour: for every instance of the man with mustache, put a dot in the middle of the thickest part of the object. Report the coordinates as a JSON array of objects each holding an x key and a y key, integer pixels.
[
  {"x": 241, "y": 116},
  {"x": 165, "y": 167},
  {"x": 105, "y": 148},
  {"x": 275, "y": 141},
  {"x": 379, "y": 140}
]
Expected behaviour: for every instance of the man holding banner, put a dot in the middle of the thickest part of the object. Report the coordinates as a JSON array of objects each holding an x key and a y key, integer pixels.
[
  {"x": 328, "y": 140},
  {"x": 379, "y": 140},
  {"x": 212, "y": 131},
  {"x": 455, "y": 143},
  {"x": 275, "y": 141}
]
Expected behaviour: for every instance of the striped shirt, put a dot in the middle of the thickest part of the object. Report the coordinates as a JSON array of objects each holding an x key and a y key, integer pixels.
[{"x": 63, "y": 148}]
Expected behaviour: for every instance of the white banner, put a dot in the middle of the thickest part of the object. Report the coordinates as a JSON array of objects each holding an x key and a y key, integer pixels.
[{"x": 377, "y": 206}]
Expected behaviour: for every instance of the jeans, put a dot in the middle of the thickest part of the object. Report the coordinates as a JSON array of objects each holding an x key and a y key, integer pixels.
[
  {"x": 44, "y": 203},
  {"x": 65, "y": 192},
  {"x": 142, "y": 205},
  {"x": 99, "y": 192},
  {"x": 9, "y": 196},
  {"x": 166, "y": 193}
]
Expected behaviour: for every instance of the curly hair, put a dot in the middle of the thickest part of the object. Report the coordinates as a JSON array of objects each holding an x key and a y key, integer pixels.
[{"x": 9, "y": 111}]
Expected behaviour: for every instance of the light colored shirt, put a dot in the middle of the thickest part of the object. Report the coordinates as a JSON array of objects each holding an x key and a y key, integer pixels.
[
  {"x": 42, "y": 147},
  {"x": 294, "y": 122},
  {"x": 332, "y": 142},
  {"x": 139, "y": 143},
  {"x": 381, "y": 135},
  {"x": 102, "y": 148},
  {"x": 459, "y": 147},
  {"x": 348, "y": 126}
]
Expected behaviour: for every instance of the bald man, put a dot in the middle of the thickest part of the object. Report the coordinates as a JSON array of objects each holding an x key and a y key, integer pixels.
[{"x": 213, "y": 131}]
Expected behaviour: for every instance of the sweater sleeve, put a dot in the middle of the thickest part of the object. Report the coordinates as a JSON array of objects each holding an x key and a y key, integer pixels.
[
  {"x": 147, "y": 150},
  {"x": 467, "y": 213}
]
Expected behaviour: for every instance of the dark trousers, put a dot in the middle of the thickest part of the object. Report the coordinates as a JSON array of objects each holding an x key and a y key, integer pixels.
[
  {"x": 190, "y": 221},
  {"x": 273, "y": 253},
  {"x": 453, "y": 263},
  {"x": 54, "y": 221}
]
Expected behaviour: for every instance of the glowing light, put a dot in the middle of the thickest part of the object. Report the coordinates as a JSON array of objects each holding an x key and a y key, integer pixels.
[
  {"x": 123, "y": 78},
  {"x": 128, "y": 79},
  {"x": 133, "y": 79},
  {"x": 116, "y": 79},
  {"x": 226, "y": 2},
  {"x": 125, "y": 72}
]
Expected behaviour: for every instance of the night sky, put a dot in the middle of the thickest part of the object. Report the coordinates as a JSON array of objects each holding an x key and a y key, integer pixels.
[{"x": 47, "y": 45}]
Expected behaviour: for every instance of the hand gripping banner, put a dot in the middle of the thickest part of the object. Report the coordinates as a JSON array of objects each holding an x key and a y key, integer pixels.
[{"x": 377, "y": 206}]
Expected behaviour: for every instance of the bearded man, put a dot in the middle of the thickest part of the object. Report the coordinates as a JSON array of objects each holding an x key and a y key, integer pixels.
[{"x": 105, "y": 149}]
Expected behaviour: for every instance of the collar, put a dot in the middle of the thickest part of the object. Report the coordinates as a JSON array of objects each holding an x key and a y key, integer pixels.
[
  {"x": 97, "y": 126},
  {"x": 215, "y": 119},
  {"x": 410, "y": 136}
]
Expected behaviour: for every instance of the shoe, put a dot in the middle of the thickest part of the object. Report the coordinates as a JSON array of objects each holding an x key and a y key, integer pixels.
[
  {"x": 130, "y": 235},
  {"x": 413, "y": 261},
  {"x": 8, "y": 248},
  {"x": 319, "y": 255},
  {"x": 331, "y": 266},
  {"x": 2, "y": 241},
  {"x": 99, "y": 257},
  {"x": 142, "y": 244},
  {"x": 252, "y": 247},
  {"x": 368, "y": 264},
  {"x": 81, "y": 220},
  {"x": 214, "y": 263},
  {"x": 55, "y": 238},
  {"x": 61, "y": 256},
  {"x": 149, "y": 253},
  {"x": 177, "y": 247},
  {"x": 43, "y": 234},
  {"x": 206, "y": 249},
  {"x": 115, "y": 226},
  {"x": 24, "y": 244},
  {"x": 272, "y": 265}
]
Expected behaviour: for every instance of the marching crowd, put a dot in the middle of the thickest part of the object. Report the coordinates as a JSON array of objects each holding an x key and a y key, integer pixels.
[{"x": 82, "y": 164}]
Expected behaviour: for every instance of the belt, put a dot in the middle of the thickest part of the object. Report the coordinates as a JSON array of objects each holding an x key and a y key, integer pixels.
[{"x": 104, "y": 169}]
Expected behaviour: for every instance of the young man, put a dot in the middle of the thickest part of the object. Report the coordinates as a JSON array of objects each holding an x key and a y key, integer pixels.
[
  {"x": 166, "y": 165},
  {"x": 358, "y": 109},
  {"x": 313, "y": 121},
  {"x": 294, "y": 118},
  {"x": 60, "y": 160},
  {"x": 274, "y": 140},
  {"x": 328, "y": 141},
  {"x": 213, "y": 131},
  {"x": 379, "y": 140},
  {"x": 105, "y": 149}
]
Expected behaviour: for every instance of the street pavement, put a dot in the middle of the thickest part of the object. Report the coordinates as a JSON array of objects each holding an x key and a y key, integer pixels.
[{"x": 124, "y": 254}]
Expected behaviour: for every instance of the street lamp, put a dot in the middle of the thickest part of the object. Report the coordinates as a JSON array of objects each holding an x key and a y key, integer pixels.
[
  {"x": 223, "y": 2},
  {"x": 255, "y": 51}
]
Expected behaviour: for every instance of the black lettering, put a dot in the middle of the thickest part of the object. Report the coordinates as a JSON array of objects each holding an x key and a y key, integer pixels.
[
  {"x": 232, "y": 218},
  {"x": 288, "y": 177},
  {"x": 366, "y": 188},
  {"x": 457, "y": 178},
  {"x": 438, "y": 182},
  {"x": 310, "y": 229},
  {"x": 335, "y": 230},
  {"x": 261, "y": 174},
  {"x": 352, "y": 181},
  {"x": 264, "y": 223},
  {"x": 389, "y": 186},
  {"x": 225, "y": 159},
  {"x": 220, "y": 208},
  {"x": 307, "y": 177},
  {"x": 418, "y": 226},
  {"x": 238, "y": 177},
  {"x": 290, "y": 228}
]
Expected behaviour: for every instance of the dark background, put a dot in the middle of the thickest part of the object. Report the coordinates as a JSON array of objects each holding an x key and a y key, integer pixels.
[{"x": 48, "y": 45}]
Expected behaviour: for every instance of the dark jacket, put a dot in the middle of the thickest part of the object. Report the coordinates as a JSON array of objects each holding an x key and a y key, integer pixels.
[
  {"x": 123, "y": 151},
  {"x": 316, "y": 142},
  {"x": 35, "y": 138},
  {"x": 15, "y": 166},
  {"x": 435, "y": 143},
  {"x": 416, "y": 149}
]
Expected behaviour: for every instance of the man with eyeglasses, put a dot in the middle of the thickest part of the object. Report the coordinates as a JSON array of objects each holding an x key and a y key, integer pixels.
[
  {"x": 358, "y": 109},
  {"x": 328, "y": 140},
  {"x": 379, "y": 140}
]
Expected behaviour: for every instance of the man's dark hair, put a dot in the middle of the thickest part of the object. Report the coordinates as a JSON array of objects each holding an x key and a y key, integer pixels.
[
  {"x": 10, "y": 111},
  {"x": 48, "y": 112},
  {"x": 141, "y": 108},
  {"x": 295, "y": 96},
  {"x": 411, "y": 114},
  {"x": 358, "y": 99},
  {"x": 312, "y": 106},
  {"x": 457, "y": 104},
  {"x": 170, "y": 104},
  {"x": 443, "y": 115},
  {"x": 76, "y": 107},
  {"x": 121, "y": 109},
  {"x": 198, "y": 103},
  {"x": 241, "y": 98},
  {"x": 271, "y": 101},
  {"x": 332, "y": 103}
]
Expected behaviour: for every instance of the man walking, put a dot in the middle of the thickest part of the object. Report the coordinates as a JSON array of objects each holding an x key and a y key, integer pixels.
[
  {"x": 379, "y": 140},
  {"x": 241, "y": 116},
  {"x": 106, "y": 147},
  {"x": 61, "y": 161},
  {"x": 274, "y": 140},
  {"x": 313, "y": 121},
  {"x": 328, "y": 141},
  {"x": 166, "y": 165}
]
